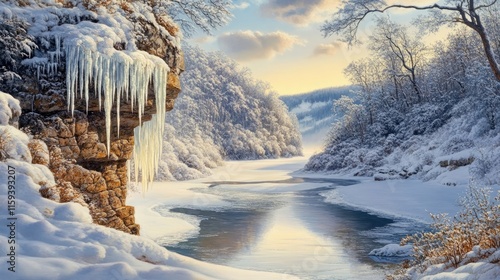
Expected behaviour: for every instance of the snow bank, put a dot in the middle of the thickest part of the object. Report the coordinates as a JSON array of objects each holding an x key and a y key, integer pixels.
[
  {"x": 152, "y": 209},
  {"x": 409, "y": 198},
  {"x": 9, "y": 108},
  {"x": 473, "y": 269}
]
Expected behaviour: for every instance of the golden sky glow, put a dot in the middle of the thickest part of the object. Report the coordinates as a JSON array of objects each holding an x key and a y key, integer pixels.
[{"x": 290, "y": 53}]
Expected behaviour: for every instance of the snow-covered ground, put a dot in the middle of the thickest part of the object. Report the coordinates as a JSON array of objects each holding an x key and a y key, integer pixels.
[{"x": 411, "y": 199}]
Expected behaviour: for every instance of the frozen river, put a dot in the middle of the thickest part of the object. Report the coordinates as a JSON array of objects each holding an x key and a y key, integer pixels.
[
  {"x": 293, "y": 232},
  {"x": 258, "y": 215}
]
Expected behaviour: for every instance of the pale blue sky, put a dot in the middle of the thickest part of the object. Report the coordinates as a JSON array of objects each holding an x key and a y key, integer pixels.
[{"x": 281, "y": 43}]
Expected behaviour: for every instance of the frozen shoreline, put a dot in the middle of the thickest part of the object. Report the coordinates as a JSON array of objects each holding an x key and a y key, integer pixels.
[
  {"x": 408, "y": 199},
  {"x": 401, "y": 199}
]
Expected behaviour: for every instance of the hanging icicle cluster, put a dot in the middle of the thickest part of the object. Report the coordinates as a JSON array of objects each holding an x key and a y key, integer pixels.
[{"x": 115, "y": 76}]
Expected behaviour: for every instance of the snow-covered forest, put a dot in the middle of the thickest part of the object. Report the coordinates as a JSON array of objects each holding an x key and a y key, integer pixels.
[
  {"x": 223, "y": 113},
  {"x": 314, "y": 110},
  {"x": 421, "y": 110}
]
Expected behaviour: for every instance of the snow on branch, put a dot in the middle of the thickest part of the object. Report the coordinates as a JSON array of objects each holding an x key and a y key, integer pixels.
[{"x": 347, "y": 19}]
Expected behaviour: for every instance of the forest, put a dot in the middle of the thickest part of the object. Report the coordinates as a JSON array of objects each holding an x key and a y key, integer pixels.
[
  {"x": 314, "y": 110},
  {"x": 419, "y": 105},
  {"x": 223, "y": 113}
]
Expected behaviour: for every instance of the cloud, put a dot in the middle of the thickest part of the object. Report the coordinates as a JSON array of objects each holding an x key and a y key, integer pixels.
[
  {"x": 299, "y": 12},
  {"x": 328, "y": 49},
  {"x": 241, "y": 6},
  {"x": 252, "y": 45},
  {"x": 203, "y": 39}
]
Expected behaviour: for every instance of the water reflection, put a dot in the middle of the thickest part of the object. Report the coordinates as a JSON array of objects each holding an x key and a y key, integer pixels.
[
  {"x": 289, "y": 246},
  {"x": 343, "y": 224},
  {"x": 222, "y": 234},
  {"x": 228, "y": 232},
  {"x": 295, "y": 233}
]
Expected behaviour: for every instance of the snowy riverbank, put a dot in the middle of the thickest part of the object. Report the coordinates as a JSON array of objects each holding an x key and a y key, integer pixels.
[{"x": 406, "y": 199}]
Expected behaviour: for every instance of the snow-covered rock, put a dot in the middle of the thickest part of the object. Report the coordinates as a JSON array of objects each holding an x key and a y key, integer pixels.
[
  {"x": 97, "y": 80},
  {"x": 392, "y": 250}
]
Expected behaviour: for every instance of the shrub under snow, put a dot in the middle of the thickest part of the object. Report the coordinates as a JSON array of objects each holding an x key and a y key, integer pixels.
[{"x": 471, "y": 239}]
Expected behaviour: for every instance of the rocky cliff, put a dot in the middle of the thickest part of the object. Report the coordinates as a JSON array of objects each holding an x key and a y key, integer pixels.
[{"x": 73, "y": 144}]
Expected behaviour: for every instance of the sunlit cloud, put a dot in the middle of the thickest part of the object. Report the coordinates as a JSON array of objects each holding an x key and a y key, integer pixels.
[
  {"x": 241, "y": 6},
  {"x": 203, "y": 39},
  {"x": 299, "y": 12},
  {"x": 253, "y": 45},
  {"x": 328, "y": 49}
]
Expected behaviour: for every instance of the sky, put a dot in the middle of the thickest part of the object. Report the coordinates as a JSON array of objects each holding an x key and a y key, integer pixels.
[{"x": 281, "y": 43}]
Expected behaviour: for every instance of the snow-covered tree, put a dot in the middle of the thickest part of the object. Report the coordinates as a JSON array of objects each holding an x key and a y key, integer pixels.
[
  {"x": 347, "y": 19},
  {"x": 457, "y": 111},
  {"x": 223, "y": 113}
]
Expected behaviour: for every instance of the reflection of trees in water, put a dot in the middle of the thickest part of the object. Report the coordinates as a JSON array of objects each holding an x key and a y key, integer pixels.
[
  {"x": 343, "y": 224},
  {"x": 225, "y": 233}
]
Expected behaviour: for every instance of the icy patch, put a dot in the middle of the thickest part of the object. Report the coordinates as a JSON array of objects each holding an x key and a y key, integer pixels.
[
  {"x": 394, "y": 232},
  {"x": 190, "y": 224}
]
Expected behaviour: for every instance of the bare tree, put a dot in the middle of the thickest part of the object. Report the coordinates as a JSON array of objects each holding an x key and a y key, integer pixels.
[
  {"x": 347, "y": 19},
  {"x": 392, "y": 41},
  {"x": 368, "y": 74},
  {"x": 191, "y": 14}
]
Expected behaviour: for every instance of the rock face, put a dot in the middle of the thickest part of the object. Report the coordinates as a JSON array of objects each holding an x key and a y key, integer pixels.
[
  {"x": 456, "y": 163},
  {"x": 73, "y": 146}
]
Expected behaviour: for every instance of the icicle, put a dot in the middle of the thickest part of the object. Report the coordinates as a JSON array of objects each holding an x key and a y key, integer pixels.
[
  {"x": 81, "y": 71},
  {"x": 88, "y": 76},
  {"x": 118, "y": 75},
  {"x": 69, "y": 69},
  {"x": 57, "y": 38},
  {"x": 148, "y": 138}
]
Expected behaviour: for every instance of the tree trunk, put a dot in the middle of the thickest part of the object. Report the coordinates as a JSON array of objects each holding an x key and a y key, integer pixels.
[
  {"x": 415, "y": 86},
  {"x": 488, "y": 51}
]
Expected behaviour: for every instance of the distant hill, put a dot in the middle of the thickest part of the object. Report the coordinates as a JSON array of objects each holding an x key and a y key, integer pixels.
[{"x": 314, "y": 111}]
